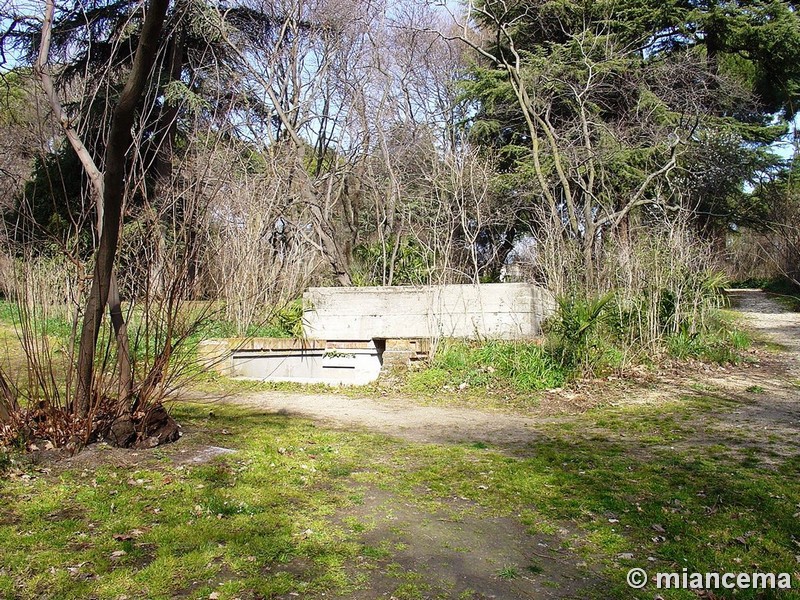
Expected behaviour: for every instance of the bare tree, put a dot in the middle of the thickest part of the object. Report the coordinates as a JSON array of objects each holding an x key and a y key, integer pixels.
[
  {"x": 584, "y": 111},
  {"x": 109, "y": 189}
]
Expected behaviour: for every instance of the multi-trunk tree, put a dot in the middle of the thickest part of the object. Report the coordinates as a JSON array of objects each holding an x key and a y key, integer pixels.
[
  {"x": 602, "y": 111},
  {"x": 105, "y": 165},
  {"x": 108, "y": 186}
]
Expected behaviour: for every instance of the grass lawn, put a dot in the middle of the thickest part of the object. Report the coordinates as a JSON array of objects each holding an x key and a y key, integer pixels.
[{"x": 300, "y": 511}]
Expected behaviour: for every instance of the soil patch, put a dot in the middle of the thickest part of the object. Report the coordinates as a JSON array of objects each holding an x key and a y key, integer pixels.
[
  {"x": 462, "y": 552},
  {"x": 762, "y": 395}
]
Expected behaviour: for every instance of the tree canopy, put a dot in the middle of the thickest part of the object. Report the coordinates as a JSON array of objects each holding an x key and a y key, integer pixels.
[{"x": 564, "y": 88}]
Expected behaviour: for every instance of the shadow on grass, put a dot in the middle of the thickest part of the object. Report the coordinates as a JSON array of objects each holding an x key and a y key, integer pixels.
[{"x": 261, "y": 522}]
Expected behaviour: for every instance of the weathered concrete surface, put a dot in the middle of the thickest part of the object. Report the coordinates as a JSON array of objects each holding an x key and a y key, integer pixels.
[
  {"x": 300, "y": 361},
  {"x": 351, "y": 332},
  {"x": 217, "y": 354},
  {"x": 495, "y": 310}
]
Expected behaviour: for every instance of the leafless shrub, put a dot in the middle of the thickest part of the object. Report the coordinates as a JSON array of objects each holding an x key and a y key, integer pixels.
[
  {"x": 663, "y": 276},
  {"x": 666, "y": 283},
  {"x": 253, "y": 245},
  {"x": 772, "y": 251},
  {"x": 44, "y": 292}
]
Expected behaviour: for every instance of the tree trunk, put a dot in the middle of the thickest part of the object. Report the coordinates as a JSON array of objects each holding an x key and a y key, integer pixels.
[
  {"x": 119, "y": 140},
  {"x": 589, "y": 262},
  {"x": 123, "y": 344}
]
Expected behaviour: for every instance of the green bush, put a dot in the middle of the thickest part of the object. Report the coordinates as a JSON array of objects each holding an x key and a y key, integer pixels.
[
  {"x": 8, "y": 312},
  {"x": 286, "y": 321},
  {"x": 578, "y": 335}
]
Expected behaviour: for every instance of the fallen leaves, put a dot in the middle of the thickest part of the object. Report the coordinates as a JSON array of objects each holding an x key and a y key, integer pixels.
[{"x": 131, "y": 535}]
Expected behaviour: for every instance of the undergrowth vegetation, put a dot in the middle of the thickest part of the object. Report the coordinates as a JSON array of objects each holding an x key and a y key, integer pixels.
[
  {"x": 586, "y": 337},
  {"x": 282, "y": 321},
  {"x": 654, "y": 298},
  {"x": 521, "y": 366}
]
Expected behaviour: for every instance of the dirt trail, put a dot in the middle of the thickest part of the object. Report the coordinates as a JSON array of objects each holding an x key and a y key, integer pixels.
[
  {"x": 777, "y": 408},
  {"x": 767, "y": 317},
  {"x": 399, "y": 417},
  {"x": 458, "y": 552},
  {"x": 767, "y": 395}
]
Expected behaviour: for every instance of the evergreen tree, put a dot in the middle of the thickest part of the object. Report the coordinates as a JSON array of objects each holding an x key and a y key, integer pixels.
[{"x": 585, "y": 100}]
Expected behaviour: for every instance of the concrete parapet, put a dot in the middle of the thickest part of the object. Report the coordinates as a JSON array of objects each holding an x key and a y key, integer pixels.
[
  {"x": 353, "y": 332},
  {"x": 496, "y": 310},
  {"x": 216, "y": 355}
]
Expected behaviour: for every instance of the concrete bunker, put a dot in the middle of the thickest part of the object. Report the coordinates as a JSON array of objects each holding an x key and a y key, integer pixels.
[{"x": 354, "y": 333}]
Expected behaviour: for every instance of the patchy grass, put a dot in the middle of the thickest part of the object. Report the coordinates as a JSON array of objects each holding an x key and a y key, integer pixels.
[
  {"x": 784, "y": 291},
  {"x": 633, "y": 494},
  {"x": 508, "y": 572},
  {"x": 262, "y": 522},
  {"x": 517, "y": 367},
  {"x": 163, "y": 529}
]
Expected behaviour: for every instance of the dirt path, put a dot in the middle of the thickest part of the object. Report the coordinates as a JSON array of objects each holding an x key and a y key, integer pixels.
[
  {"x": 775, "y": 407},
  {"x": 767, "y": 317},
  {"x": 400, "y": 417},
  {"x": 458, "y": 553},
  {"x": 766, "y": 412}
]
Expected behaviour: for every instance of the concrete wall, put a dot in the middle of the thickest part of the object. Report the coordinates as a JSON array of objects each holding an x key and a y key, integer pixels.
[
  {"x": 495, "y": 310},
  {"x": 341, "y": 325},
  {"x": 300, "y": 361}
]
